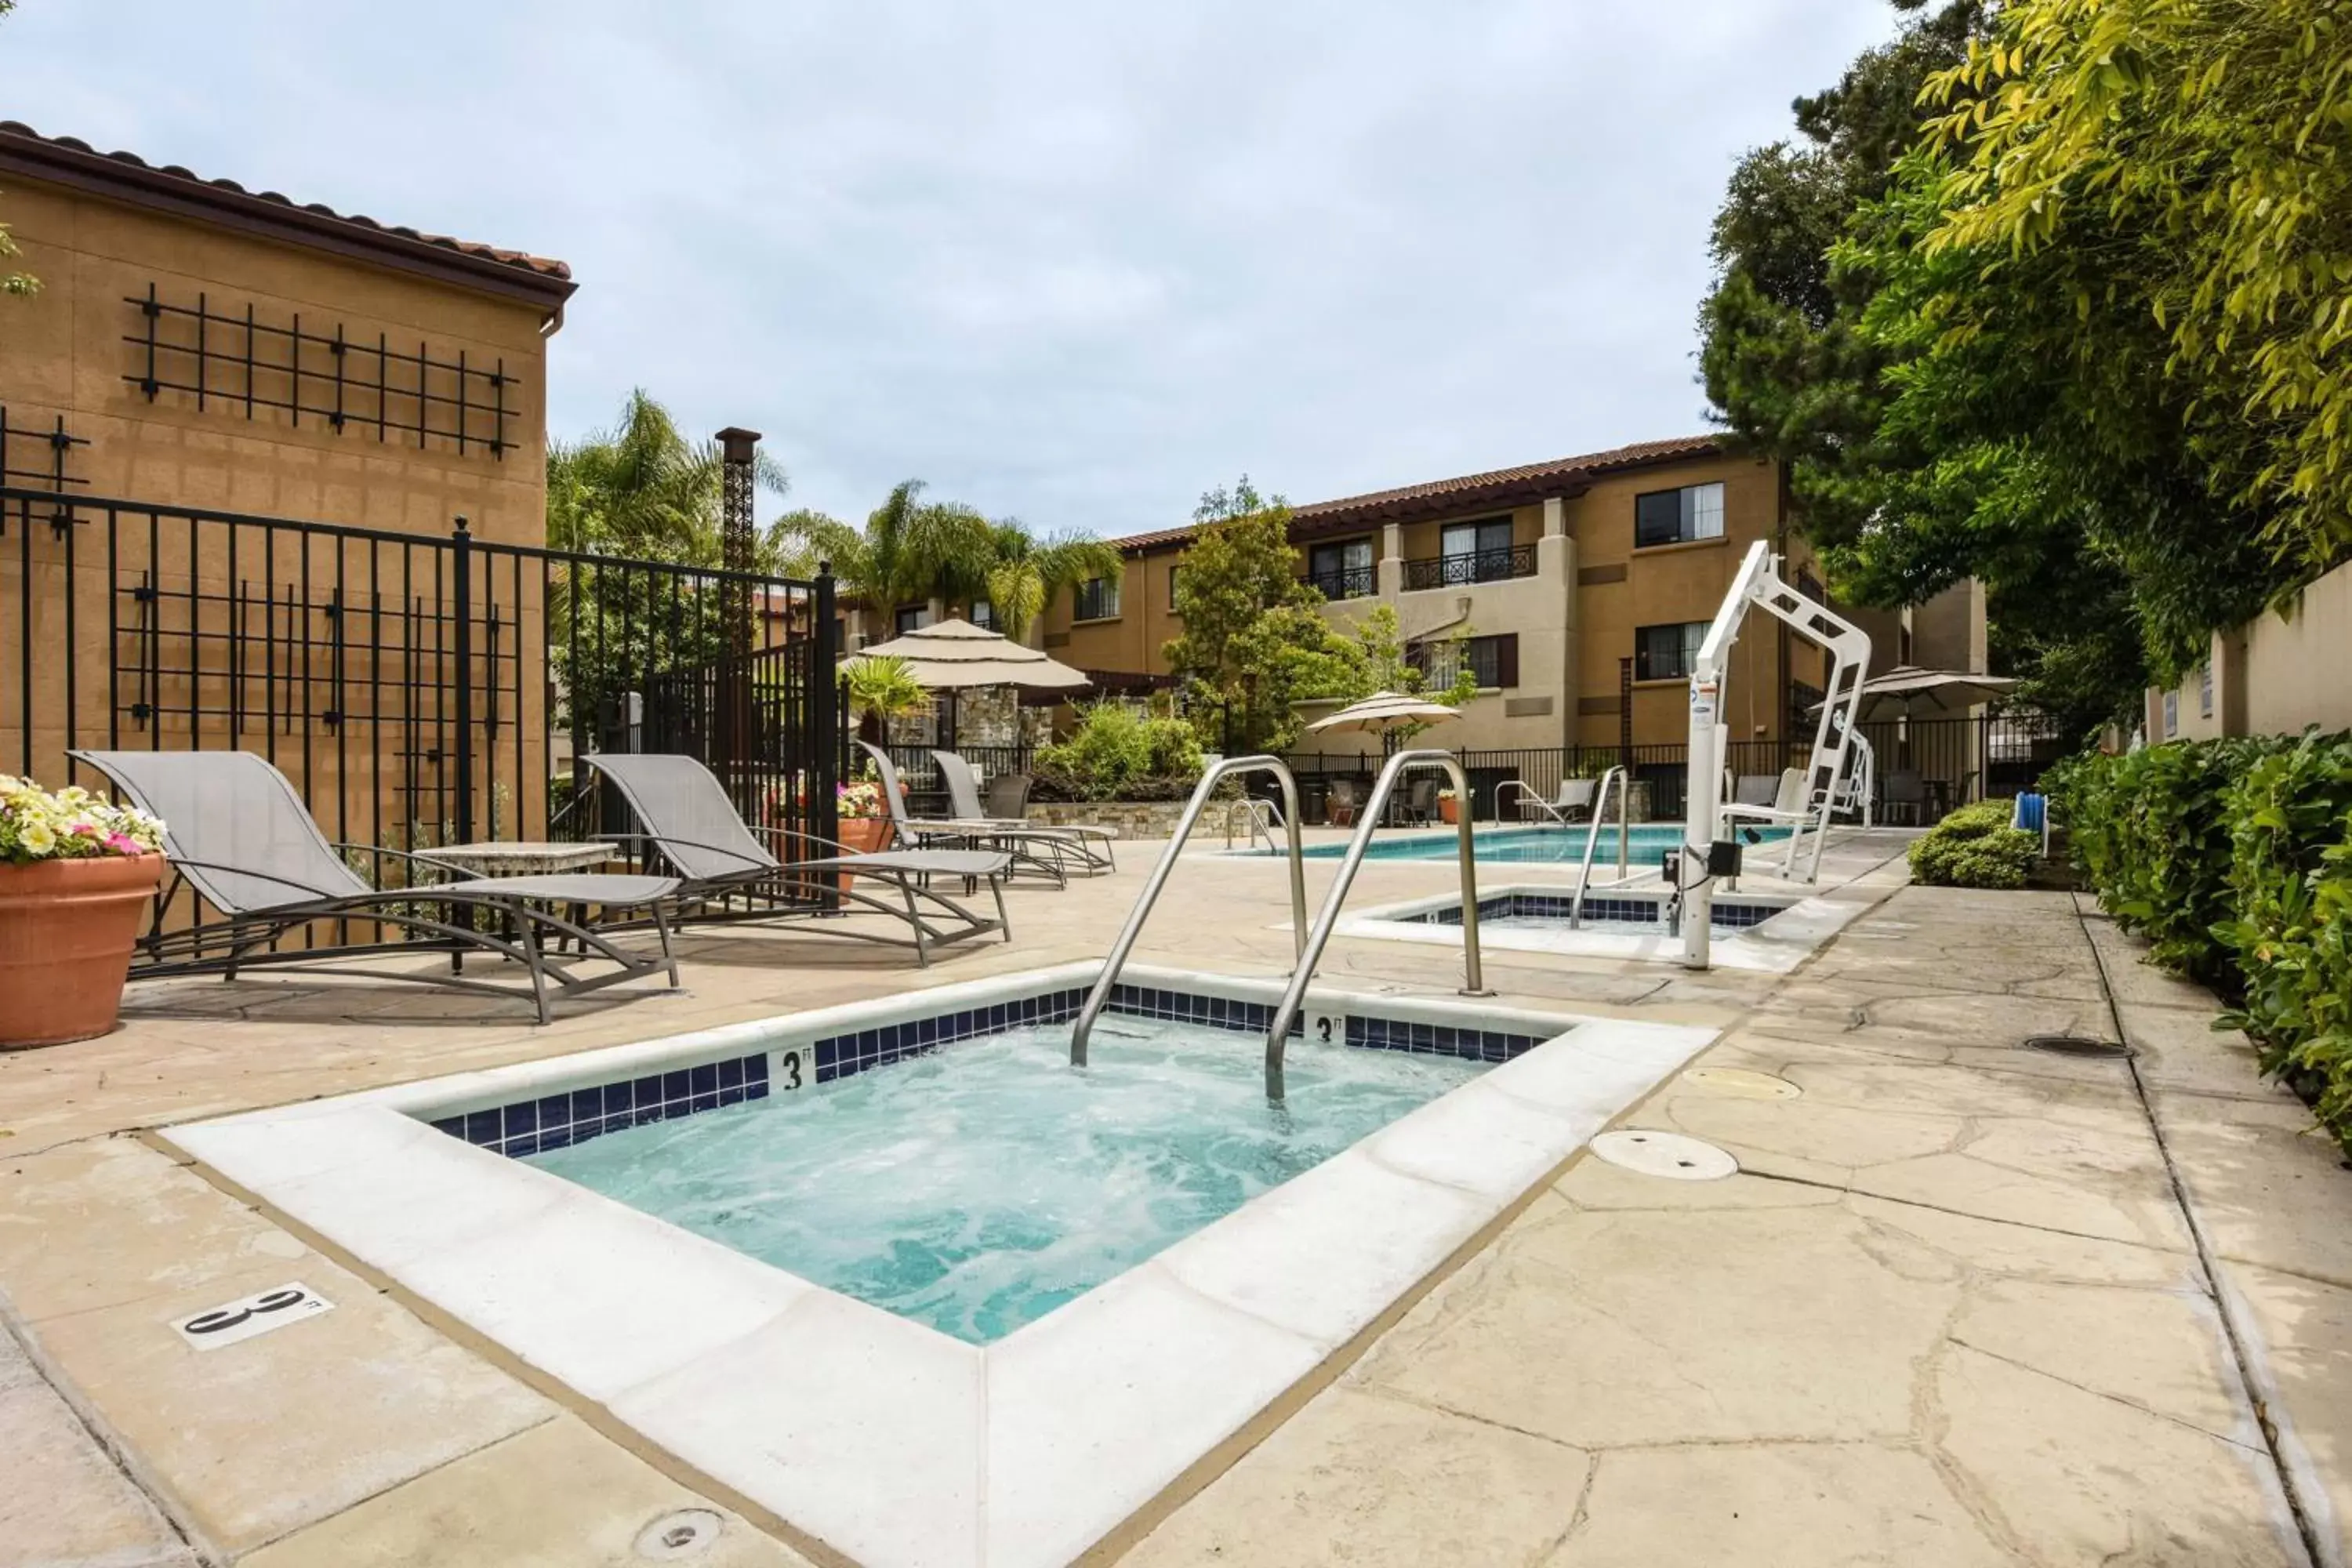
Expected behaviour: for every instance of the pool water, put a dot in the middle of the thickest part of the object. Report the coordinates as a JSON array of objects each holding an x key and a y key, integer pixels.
[
  {"x": 1525, "y": 846},
  {"x": 977, "y": 1188}
]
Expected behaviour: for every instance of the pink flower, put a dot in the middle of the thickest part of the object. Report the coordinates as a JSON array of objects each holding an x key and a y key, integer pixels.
[
  {"x": 87, "y": 829},
  {"x": 123, "y": 843}
]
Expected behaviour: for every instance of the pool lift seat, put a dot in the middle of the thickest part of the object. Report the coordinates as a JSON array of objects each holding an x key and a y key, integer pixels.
[{"x": 1825, "y": 787}]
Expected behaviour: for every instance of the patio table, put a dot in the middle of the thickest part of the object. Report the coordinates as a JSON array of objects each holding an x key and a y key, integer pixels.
[{"x": 492, "y": 859}]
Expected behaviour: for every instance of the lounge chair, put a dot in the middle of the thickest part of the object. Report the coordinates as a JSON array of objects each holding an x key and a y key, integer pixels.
[
  {"x": 1791, "y": 803},
  {"x": 1088, "y": 846},
  {"x": 1021, "y": 844},
  {"x": 1419, "y": 805},
  {"x": 730, "y": 876},
  {"x": 1574, "y": 800},
  {"x": 236, "y": 832},
  {"x": 1008, "y": 797},
  {"x": 1755, "y": 789}
]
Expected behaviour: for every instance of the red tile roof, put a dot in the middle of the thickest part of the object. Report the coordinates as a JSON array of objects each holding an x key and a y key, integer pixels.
[
  {"x": 1517, "y": 485},
  {"x": 126, "y": 176}
]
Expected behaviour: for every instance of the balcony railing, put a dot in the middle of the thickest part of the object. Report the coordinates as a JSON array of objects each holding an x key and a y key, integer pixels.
[
  {"x": 1481, "y": 566},
  {"x": 1346, "y": 582}
]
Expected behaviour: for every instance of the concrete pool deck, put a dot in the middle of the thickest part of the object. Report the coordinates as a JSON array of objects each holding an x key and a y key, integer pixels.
[{"x": 1953, "y": 1309}]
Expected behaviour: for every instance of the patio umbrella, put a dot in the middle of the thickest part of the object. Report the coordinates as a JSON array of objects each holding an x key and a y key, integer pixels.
[
  {"x": 953, "y": 654},
  {"x": 1382, "y": 712},
  {"x": 1907, "y": 691}
]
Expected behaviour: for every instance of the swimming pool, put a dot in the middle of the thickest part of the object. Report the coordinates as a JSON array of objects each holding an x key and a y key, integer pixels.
[
  {"x": 1525, "y": 846},
  {"x": 899, "y": 1275}
]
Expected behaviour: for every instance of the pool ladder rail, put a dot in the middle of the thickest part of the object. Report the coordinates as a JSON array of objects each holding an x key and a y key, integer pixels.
[
  {"x": 1099, "y": 997},
  {"x": 1307, "y": 943},
  {"x": 1593, "y": 837}
]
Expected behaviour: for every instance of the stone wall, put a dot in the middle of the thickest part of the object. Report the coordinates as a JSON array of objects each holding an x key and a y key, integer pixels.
[{"x": 1133, "y": 819}]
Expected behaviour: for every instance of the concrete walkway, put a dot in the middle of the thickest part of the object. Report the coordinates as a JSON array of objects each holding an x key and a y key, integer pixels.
[{"x": 1952, "y": 1311}]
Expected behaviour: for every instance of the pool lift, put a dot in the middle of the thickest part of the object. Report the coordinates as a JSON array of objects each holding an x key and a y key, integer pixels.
[
  {"x": 1704, "y": 853},
  {"x": 1306, "y": 941}
]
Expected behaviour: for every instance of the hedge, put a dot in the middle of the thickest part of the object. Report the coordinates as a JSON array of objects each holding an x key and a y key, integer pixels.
[
  {"x": 1975, "y": 846},
  {"x": 2235, "y": 857}
]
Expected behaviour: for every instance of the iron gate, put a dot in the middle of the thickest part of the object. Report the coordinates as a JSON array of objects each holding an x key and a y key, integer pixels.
[{"x": 418, "y": 691}]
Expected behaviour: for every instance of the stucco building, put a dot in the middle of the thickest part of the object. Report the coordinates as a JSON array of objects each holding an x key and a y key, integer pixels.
[{"x": 1577, "y": 590}]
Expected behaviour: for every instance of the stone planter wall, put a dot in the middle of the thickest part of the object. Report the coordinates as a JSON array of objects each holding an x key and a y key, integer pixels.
[{"x": 1133, "y": 819}]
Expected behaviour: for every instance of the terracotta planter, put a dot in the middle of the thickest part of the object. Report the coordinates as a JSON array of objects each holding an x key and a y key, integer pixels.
[
  {"x": 1449, "y": 811},
  {"x": 66, "y": 930},
  {"x": 864, "y": 836}
]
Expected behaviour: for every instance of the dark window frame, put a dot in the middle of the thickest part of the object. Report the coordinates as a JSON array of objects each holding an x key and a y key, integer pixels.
[
  {"x": 1657, "y": 528},
  {"x": 1104, "y": 594},
  {"x": 1685, "y": 648}
]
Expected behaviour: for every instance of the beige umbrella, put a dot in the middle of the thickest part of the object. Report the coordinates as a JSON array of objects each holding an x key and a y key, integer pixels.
[
  {"x": 953, "y": 654},
  {"x": 1383, "y": 712}
]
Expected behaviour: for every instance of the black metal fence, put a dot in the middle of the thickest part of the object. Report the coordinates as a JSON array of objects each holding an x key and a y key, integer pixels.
[{"x": 416, "y": 689}]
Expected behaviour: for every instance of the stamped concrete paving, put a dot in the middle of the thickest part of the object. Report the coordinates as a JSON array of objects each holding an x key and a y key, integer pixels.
[{"x": 1951, "y": 1311}]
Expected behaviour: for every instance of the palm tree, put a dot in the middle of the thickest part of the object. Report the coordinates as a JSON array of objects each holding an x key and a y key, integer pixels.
[
  {"x": 643, "y": 490},
  {"x": 881, "y": 690},
  {"x": 1028, "y": 571}
]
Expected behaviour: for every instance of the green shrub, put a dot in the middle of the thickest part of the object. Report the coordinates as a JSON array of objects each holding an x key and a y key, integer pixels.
[
  {"x": 2235, "y": 858},
  {"x": 1116, "y": 754},
  {"x": 1975, "y": 846},
  {"x": 2290, "y": 874},
  {"x": 2150, "y": 831}
]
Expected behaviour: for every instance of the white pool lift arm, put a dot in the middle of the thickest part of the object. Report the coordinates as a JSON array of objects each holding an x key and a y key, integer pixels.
[{"x": 1759, "y": 585}]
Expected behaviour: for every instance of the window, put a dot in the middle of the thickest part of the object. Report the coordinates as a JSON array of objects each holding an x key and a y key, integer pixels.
[
  {"x": 1492, "y": 661},
  {"x": 911, "y": 616},
  {"x": 1677, "y": 517},
  {"x": 1667, "y": 652},
  {"x": 983, "y": 615},
  {"x": 1171, "y": 585},
  {"x": 1811, "y": 586},
  {"x": 1342, "y": 571},
  {"x": 2205, "y": 690},
  {"x": 1097, "y": 600},
  {"x": 2171, "y": 714}
]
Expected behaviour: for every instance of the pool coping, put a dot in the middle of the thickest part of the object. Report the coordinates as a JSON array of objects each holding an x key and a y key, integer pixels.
[
  {"x": 876, "y": 1436},
  {"x": 1775, "y": 946}
]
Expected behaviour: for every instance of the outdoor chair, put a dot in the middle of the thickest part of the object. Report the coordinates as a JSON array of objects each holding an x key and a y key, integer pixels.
[
  {"x": 1418, "y": 804},
  {"x": 237, "y": 834},
  {"x": 1022, "y": 847},
  {"x": 731, "y": 877},
  {"x": 1088, "y": 846},
  {"x": 1574, "y": 800},
  {"x": 1906, "y": 792},
  {"x": 1345, "y": 800},
  {"x": 1007, "y": 797},
  {"x": 1790, "y": 806},
  {"x": 1757, "y": 789}
]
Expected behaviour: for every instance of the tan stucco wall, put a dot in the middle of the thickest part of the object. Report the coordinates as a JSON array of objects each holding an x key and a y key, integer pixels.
[
  {"x": 2276, "y": 675},
  {"x": 62, "y": 352}
]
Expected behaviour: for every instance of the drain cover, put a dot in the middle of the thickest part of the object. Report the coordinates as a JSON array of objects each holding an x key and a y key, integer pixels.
[
  {"x": 688, "y": 1532},
  {"x": 1668, "y": 1154},
  {"x": 1740, "y": 1083},
  {"x": 2075, "y": 1046}
]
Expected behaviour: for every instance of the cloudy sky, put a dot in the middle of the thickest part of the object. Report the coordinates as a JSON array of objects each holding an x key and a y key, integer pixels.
[{"x": 1066, "y": 261}]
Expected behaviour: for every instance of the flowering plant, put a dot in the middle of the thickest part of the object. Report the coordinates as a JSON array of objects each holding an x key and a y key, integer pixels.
[
  {"x": 72, "y": 825},
  {"x": 861, "y": 799}
]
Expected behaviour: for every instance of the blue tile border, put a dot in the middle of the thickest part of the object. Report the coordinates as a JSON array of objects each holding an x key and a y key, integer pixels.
[
  {"x": 1613, "y": 906},
  {"x": 558, "y": 1121}
]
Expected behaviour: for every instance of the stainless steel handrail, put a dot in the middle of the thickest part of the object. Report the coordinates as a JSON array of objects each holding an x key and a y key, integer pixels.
[
  {"x": 1593, "y": 837},
  {"x": 1100, "y": 995},
  {"x": 1473, "y": 975},
  {"x": 1263, "y": 816}
]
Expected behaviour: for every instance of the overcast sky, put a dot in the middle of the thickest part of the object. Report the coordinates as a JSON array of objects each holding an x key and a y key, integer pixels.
[{"x": 1066, "y": 261}]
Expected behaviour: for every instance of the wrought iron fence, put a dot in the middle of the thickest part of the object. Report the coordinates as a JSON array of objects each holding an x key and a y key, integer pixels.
[
  {"x": 416, "y": 689},
  {"x": 1471, "y": 566},
  {"x": 1345, "y": 582}
]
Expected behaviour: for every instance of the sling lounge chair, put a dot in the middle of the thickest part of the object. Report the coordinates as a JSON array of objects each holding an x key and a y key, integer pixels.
[
  {"x": 730, "y": 875},
  {"x": 1072, "y": 845},
  {"x": 236, "y": 832},
  {"x": 932, "y": 834}
]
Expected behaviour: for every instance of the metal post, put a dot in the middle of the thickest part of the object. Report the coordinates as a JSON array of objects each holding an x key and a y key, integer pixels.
[
  {"x": 732, "y": 726},
  {"x": 461, "y": 590},
  {"x": 823, "y": 765}
]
